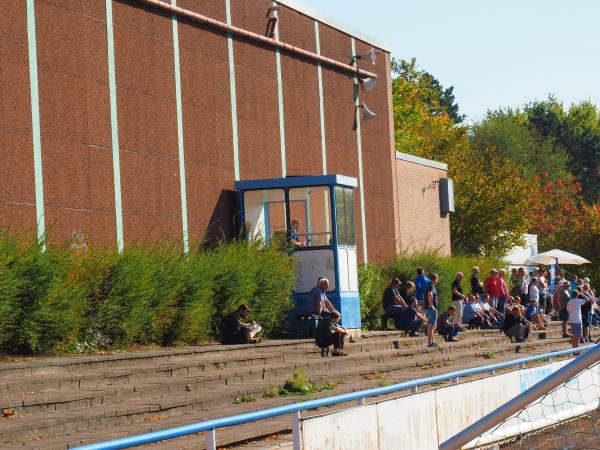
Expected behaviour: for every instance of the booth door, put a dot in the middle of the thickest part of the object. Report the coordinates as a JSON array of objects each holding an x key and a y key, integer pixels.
[{"x": 347, "y": 257}]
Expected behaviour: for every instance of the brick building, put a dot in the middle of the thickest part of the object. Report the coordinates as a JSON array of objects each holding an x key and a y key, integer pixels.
[{"x": 124, "y": 119}]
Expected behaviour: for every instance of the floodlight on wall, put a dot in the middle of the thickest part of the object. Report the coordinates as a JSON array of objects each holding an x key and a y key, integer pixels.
[
  {"x": 368, "y": 84},
  {"x": 272, "y": 20},
  {"x": 371, "y": 55}
]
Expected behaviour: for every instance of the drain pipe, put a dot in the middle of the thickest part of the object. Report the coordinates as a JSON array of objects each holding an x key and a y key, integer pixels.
[{"x": 257, "y": 37}]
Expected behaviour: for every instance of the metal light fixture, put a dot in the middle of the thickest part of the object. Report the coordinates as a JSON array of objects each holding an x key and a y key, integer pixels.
[
  {"x": 371, "y": 55},
  {"x": 368, "y": 84},
  {"x": 367, "y": 114},
  {"x": 272, "y": 16}
]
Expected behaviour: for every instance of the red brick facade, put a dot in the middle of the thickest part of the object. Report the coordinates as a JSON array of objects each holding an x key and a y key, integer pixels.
[
  {"x": 422, "y": 226},
  {"x": 76, "y": 134}
]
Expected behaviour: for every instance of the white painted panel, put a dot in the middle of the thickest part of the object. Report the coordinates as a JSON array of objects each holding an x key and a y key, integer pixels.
[
  {"x": 313, "y": 264},
  {"x": 343, "y": 265},
  {"x": 354, "y": 428},
  {"x": 352, "y": 270},
  {"x": 407, "y": 423},
  {"x": 577, "y": 397},
  {"x": 461, "y": 405}
]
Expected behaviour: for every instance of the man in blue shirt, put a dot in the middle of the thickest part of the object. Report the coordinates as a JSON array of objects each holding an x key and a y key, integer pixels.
[
  {"x": 421, "y": 283},
  {"x": 410, "y": 320}
]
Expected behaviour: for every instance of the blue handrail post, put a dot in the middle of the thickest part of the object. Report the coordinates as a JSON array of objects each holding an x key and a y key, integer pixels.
[
  {"x": 211, "y": 439},
  {"x": 296, "y": 431}
]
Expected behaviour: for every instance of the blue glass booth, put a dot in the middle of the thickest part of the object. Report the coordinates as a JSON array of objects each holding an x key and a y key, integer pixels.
[{"x": 314, "y": 218}]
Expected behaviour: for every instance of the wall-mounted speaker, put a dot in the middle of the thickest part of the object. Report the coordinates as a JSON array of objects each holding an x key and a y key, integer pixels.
[{"x": 446, "y": 187}]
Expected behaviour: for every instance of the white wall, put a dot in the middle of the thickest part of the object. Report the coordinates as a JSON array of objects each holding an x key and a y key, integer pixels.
[{"x": 424, "y": 420}]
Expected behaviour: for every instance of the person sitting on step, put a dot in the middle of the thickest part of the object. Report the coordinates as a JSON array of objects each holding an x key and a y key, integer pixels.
[
  {"x": 234, "y": 331},
  {"x": 328, "y": 333},
  {"x": 446, "y": 326},
  {"x": 472, "y": 315},
  {"x": 516, "y": 326},
  {"x": 322, "y": 305},
  {"x": 393, "y": 303},
  {"x": 411, "y": 320},
  {"x": 535, "y": 315}
]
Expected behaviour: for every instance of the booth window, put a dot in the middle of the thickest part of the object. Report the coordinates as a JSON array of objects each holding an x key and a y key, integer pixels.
[
  {"x": 344, "y": 205},
  {"x": 310, "y": 216},
  {"x": 265, "y": 215}
]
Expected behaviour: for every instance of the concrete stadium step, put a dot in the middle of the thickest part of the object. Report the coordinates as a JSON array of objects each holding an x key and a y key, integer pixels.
[
  {"x": 39, "y": 425},
  {"x": 229, "y": 435},
  {"x": 82, "y": 392},
  {"x": 60, "y": 365},
  {"x": 86, "y": 391},
  {"x": 72, "y": 372},
  {"x": 138, "y": 368}
]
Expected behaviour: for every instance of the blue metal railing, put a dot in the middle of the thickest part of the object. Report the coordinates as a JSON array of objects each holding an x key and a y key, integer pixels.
[{"x": 212, "y": 425}]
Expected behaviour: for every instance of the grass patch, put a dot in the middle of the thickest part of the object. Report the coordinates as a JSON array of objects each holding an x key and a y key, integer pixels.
[
  {"x": 489, "y": 355},
  {"x": 382, "y": 380},
  {"x": 425, "y": 366},
  {"x": 300, "y": 384},
  {"x": 244, "y": 398}
]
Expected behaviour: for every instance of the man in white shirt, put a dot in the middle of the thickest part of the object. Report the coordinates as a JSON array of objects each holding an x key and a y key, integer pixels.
[
  {"x": 534, "y": 291},
  {"x": 574, "y": 309}
]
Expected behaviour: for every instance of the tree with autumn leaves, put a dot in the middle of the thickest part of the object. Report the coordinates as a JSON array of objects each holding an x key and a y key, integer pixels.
[{"x": 535, "y": 169}]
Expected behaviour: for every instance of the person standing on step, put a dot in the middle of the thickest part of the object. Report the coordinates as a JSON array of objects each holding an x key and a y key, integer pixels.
[
  {"x": 421, "y": 282},
  {"x": 575, "y": 317},
  {"x": 544, "y": 301},
  {"x": 504, "y": 294},
  {"x": 534, "y": 292},
  {"x": 446, "y": 326},
  {"x": 476, "y": 284},
  {"x": 587, "y": 310},
  {"x": 563, "y": 300},
  {"x": 492, "y": 287},
  {"x": 431, "y": 305},
  {"x": 458, "y": 297},
  {"x": 523, "y": 285}
]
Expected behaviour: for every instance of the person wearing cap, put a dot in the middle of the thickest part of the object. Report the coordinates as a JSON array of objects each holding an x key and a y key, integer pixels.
[{"x": 234, "y": 331}]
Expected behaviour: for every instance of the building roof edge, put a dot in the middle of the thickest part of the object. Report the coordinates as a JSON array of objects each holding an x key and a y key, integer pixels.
[
  {"x": 332, "y": 22},
  {"x": 421, "y": 161}
]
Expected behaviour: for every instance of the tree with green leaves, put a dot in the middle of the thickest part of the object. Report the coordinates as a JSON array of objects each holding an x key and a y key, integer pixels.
[{"x": 577, "y": 130}]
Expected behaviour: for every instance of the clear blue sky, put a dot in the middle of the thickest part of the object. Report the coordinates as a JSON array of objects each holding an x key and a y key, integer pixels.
[{"x": 494, "y": 53}]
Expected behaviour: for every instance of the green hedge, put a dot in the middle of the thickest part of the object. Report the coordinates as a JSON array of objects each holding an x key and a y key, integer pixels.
[
  {"x": 374, "y": 279},
  {"x": 63, "y": 301}
]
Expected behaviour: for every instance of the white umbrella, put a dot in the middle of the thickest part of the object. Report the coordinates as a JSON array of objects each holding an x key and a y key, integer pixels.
[{"x": 556, "y": 256}]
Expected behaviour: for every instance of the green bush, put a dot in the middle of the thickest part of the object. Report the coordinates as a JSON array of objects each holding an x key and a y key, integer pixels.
[
  {"x": 60, "y": 300},
  {"x": 373, "y": 279}
]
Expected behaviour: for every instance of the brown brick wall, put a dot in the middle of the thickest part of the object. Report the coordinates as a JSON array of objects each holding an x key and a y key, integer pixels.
[
  {"x": 17, "y": 191},
  {"x": 420, "y": 222},
  {"x": 76, "y": 127}
]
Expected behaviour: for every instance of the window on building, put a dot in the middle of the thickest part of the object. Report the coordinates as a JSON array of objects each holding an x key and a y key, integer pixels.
[
  {"x": 265, "y": 215},
  {"x": 344, "y": 205},
  {"x": 310, "y": 219}
]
